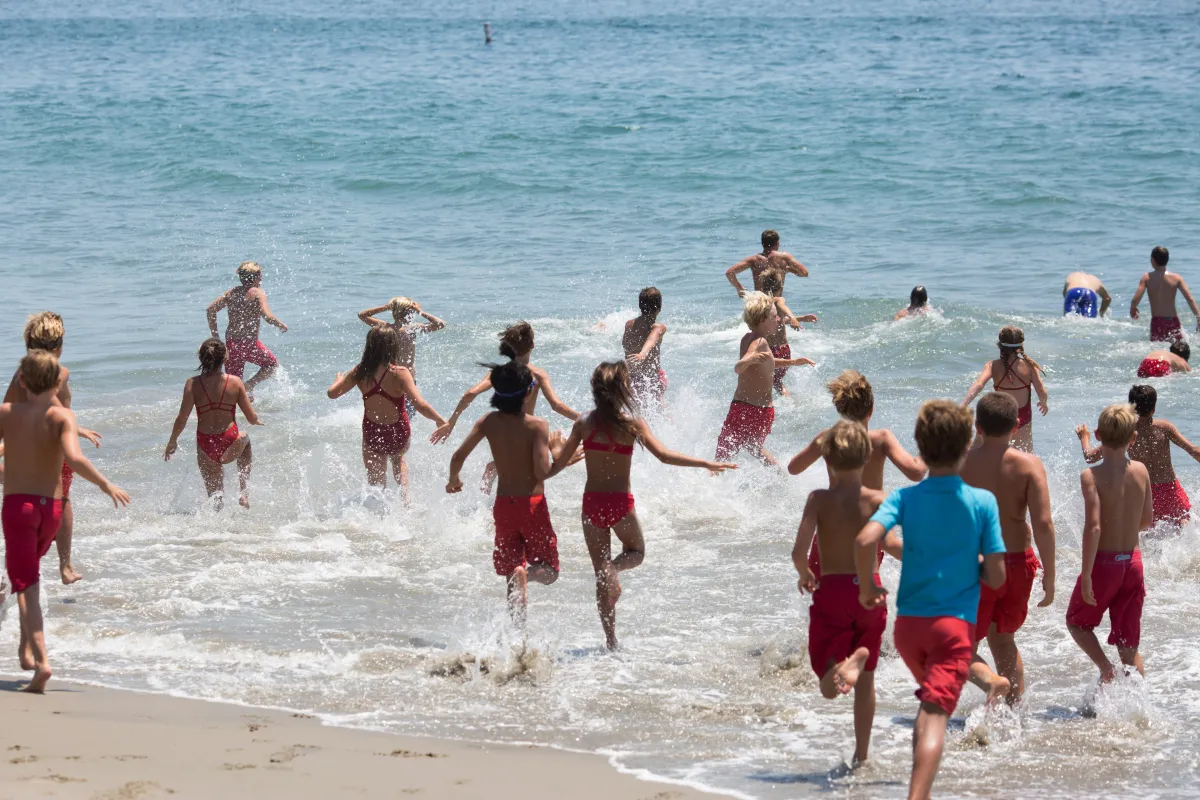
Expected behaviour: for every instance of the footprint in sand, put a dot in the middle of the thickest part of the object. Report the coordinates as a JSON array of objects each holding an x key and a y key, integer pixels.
[
  {"x": 411, "y": 754},
  {"x": 290, "y": 753},
  {"x": 134, "y": 790}
]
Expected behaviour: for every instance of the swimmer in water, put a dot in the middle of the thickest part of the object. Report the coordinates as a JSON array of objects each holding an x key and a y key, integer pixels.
[
  {"x": 1161, "y": 363},
  {"x": 403, "y": 310},
  {"x": 772, "y": 286},
  {"x": 247, "y": 306},
  {"x": 918, "y": 304},
  {"x": 1163, "y": 286},
  {"x": 643, "y": 344},
  {"x": 771, "y": 258},
  {"x": 608, "y": 435},
  {"x": 216, "y": 396},
  {"x": 1018, "y": 375},
  {"x": 1085, "y": 296},
  {"x": 385, "y": 387}
]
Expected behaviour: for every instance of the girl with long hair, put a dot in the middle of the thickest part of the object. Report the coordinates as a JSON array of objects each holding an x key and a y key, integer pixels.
[{"x": 1018, "y": 375}]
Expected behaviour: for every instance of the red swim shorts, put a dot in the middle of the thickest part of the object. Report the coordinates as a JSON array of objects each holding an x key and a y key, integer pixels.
[
  {"x": 937, "y": 651},
  {"x": 605, "y": 509},
  {"x": 838, "y": 624},
  {"x": 782, "y": 351},
  {"x": 1165, "y": 329},
  {"x": 1119, "y": 586},
  {"x": 1007, "y": 606},
  {"x": 30, "y": 524},
  {"x": 243, "y": 352},
  {"x": 1171, "y": 503},
  {"x": 68, "y": 475},
  {"x": 746, "y": 428},
  {"x": 523, "y": 534},
  {"x": 1154, "y": 368}
]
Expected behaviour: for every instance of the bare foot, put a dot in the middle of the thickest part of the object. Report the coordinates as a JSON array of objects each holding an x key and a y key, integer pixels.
[
  {"x": 1108, "y": 674},
  {"x": 997, "y": 688},
  {"x": 848, "y": 671},
  {"x": 28, "y": 662},
  {"x": 40, "y": 677},
  {"x": 68, "y": 573},
  {"x": 244, "y": 501}
]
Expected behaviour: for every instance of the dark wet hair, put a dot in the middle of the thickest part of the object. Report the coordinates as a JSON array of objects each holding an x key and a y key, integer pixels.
[
  {"x": 996, "y": 414},
  {"x": 918, "y": 297},
  {"x": 1159, "y": 256},
  {"x": 614, "y": 400},
  {"x": 212, "y": 355},
  {"x": 770, "y": 238},
  {"x": 511, "y": 384},
  {"x": 1144, "y": 399},
  {"x": 516, "y": 340},
  {"x": 1182, "y": 349},
  {"x": 650, "y": 300},
  {"x": 381, "y": 348}
]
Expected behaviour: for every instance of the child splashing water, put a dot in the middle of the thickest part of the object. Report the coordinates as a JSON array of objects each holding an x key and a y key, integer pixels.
[
  {"x": 608, "y": 435},
  {"x": 1018, "y": 375},
  {"x": 385, "y": 427},
  {"x": 216, "y": 397}
]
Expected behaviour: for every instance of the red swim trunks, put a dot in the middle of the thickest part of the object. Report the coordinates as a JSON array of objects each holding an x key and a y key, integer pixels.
[
  {"x": 523, "y": 534},
  {"x": 605, "y": 509},
  {"x": 1154, "y": 368},
  {"x": 1119, "y": 587},
  {"x": 242, "y": 352},
  {"x": 1008, "y": 606},
  {"x": 782, "y": 351},
  {"x": 1171, "y": 503},
  {"x": 30, "y": 524},
  {"x": 838, "y": 624},
  {"x": 746, "y": 428},
  {"x": 68, "y": 475},
  {"x": 1165, "y": 329},
  {"x": 937, "y": 651}
]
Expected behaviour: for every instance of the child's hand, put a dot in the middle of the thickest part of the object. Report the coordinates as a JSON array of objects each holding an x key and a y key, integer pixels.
[
  {"x": 1085, "y": 589},
  {"x": 454, "y": 485},
  {"x": 1047, "y": 591},
  {"x": 119, "y": 497},
  {"x": 441, "y": 434},
  {"x": 717, "y": 468},
  {"x": 91, "y": 436},
  {"x": 808, "y": 581},
  {"x": 282, "y": 328},
  {"x": 1082, "y": 432},
  {"x": 871, "y": 596},
  {"x": 1044, "y": 407},
  {"x": 172, "y": 446},
  {"x": 794, "y": 324},
  {"x": 809, "y": 318},
  {"x": 634, "y": 358},
  {"x": 804, "y": 361}
]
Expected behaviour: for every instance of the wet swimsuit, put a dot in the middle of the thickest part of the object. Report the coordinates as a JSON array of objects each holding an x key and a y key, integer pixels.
[
  {"x": 1154, "y": 368},
  {"x": 746, "y": 428},
  {"x": 782, "y": 351},
  {"x": 214, "y": 445},
  {"x": 1165, "y": 329},
  {"x": 242, "y": 352},
  {"x": 1119, "y": 587},
  {"x": 385, "y": 439},
  {"x": 606, "y": 509},
  {"x": 524, "y": 534},
  {"x": 838, "y": 624},
  {"x": 1025, "y": 412},
  {"x": 30, "y": 524},
  {"x": 1008, "y": 606},
  {"x": 1171, "y": 502},
  {"x": 1081, "y": 301},
  {"x": 68, "y": 475},
  {"x": 937, "y": 651}
]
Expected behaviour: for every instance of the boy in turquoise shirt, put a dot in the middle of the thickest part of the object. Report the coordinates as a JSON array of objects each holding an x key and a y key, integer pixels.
[{"x": 947, "y": 527}]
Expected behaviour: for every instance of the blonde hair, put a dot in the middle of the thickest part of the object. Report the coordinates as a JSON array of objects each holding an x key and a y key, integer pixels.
[
  {"x": 39, "y": 371},
  {"x": 846, "y": 446},
  {"x": 247, "y": 271},
  {"x": 1117, "y": 424},
  {"x": 943, "y": 432},
  {"x": 853, "y": 396},
  {"x": 402, "y": 307},
  {"x": 758, "y": 308},
  {"x": 44, "y": 331}
]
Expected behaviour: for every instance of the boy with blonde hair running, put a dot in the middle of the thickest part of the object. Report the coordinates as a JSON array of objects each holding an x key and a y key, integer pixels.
[{"x": 247, "y": 306}]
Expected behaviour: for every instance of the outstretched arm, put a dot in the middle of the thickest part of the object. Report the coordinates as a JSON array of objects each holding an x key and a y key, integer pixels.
[
  {"x": 804, "y": 537},
  {"x": 796, "y": 268},
  {"x": 1090, "y": 454},
  {"x": 1041, "y": 517},
  {"x": 443, "y": 433},
  {"x": 673, "y": 458},
  {"x": 414, "y": 394},
  {"x": 985, "y": 375},
  {"x": 733, "y": 271},
  {"x": 1137, "y": 299},
  {"x": 912, "y": 467},
  {"x": 548, "y": 391},
  {"x": 656, "y": 334},
  {"x": 213, "y": 308},
  {"x": 75, "y": 459},
  {"x": 432, "y": 323},
  {"x": 264, "y": 308},
  {"x": 1105, "y": 300},
  {"x": 460, "y": 455},
  {"x": 1181, "y": 442},
  {"x": 806, "y": 457},
  {"x": 1187, "y": 295},
  {"x": 343, "y": 383},
  {"x": 799, "y": 361},
  {"x": 567, "y": 452},
  {"x": 181, "y": 419},
  {"x": 367, "y": 315}
]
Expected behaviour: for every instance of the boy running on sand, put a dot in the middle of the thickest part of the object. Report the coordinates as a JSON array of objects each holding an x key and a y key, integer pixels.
[
  {"x": 38, "y": 434},
  {"x": 1016, "y": 374},
  {"x": 45, "y": 331},
  {"x": 843, "y": 637},
  {"x": 1161, "y": 363},
  {"x": 1162, "y": 286},
  {"x": 918, "y": 305},
  {"x": 247, "y": 306},
  {"x": 1117, "y": 506},
  {"x": 947, "y": 527},
  {"x": 1018, "y": 481},
  {"x": 403, "y": 309},
  {"x": 526, "y": 547},
  {"x": 1085, "y": 296},
  {"x": 642, "y": 342},
  {"x": 772, "y": 286},
  {"x": 752, "y": 412},
  {"x": 1152, "y": 448},
  {"x": 771, "y": 258}
]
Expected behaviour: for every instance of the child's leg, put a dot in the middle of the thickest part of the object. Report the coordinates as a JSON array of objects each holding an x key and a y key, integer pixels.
[
  {"x": 24, "y": 648},
  {"x": 244, "y": 460},
  {"x": 1008, "y": 663},
  {"x": 864, "y": 715},
  {"x": 608, "y": 585},
  {"x": 518, "y": 584},
  {"x": 376, "y": 465},
  {"x": 1130, "y": 657},
  {"x": 400, "y": 473},
  {"x": 1090, "y": 645},
  {"x": 929, "y": 737},
  {"x": 63, "y": 542},
  {"x": 211, "y": 473},
  {"x": 266, "y": 371},
  {"x": 29, "y": 603},
  {"x": 764, "y": 455},
  {"x": 982, "y": 676},
  {"x": 633, "y": 544}
]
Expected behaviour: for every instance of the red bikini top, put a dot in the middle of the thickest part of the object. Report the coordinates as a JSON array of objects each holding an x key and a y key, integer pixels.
[
  {"x": 219, "y": 405},
  {"x": 590, "y": 443}
]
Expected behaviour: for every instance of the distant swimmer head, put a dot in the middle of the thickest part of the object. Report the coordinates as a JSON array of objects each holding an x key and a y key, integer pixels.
[
  {"x": 1180, "y": 348},
  {"x": 650, "y": 301},
  {"x": 853, "y": 396},
  {"x": 996, "y": 414},
  {"x": 382, "y": 348},
  {"x": 516, "y": 341},
  {"x": 249, "y": 273},
  {"x": 212, "y": 355},
  {"x": 770, "y": 240},
  {"x": 613, "y": 397},
  {"x": 846, "y": 446},
  {"x": 758, "y": 309},
  {"x": 771, "y": 283},
  {"x": 511, "y": 383},
  {"x": 44, "y": 331},
  {"x": 943, "y": 433},
  {"x": 1117, "y": 425},
  {"x": 918, "y": 298},
  {"x": 403, "y": 308},
  {"x": 1144, "y": 399},
  {"x": 1159, "y": 256},
  {"x": 39, "y": 371}
]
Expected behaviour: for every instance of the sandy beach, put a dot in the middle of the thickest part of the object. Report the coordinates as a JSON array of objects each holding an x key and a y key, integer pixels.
[{"x": 100, "y": 744}]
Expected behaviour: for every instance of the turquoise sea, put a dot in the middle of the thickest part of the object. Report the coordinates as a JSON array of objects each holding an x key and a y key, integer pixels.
[{"x": 365, "y": 150}]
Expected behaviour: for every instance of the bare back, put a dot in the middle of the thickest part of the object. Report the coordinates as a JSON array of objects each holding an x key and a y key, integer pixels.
[
  {"x": 1014, "y": 378},
  {"x": 842, "y": 511},
  {"x": 1082, "y": 280},
  {"x": 1152, "y": 448},
  {"x": 777, "y": 261},
  {"x": 607, "y": 471},
  {"x": 1008, "y": 474},
  {"x": 216, "y": 397},
  {"x": 637, "y": 331},
  {"x": 755, "y": 381},
  {"x": 383, "y": 407},
  {"x": 244, "y": 305},
  {"x": 1124, "y": 489},
  {"x": 515, "y": 439},
  {"x": 1161, "y": 288},
  {"x": 872, "y": 475},
  {"x": 33, "y": 449}
]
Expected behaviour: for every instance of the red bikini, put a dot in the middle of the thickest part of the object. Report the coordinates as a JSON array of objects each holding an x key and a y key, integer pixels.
[
  {"x": 606, "y": 509},
  {"x": 214, "y": 445}
]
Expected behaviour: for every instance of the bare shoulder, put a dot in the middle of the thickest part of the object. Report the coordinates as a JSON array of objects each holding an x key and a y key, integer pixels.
[
  {"x": 538, "y": 424},
  {"x": 399, "y": 371},
  {"x": 874, "y": 496},
  {"x": 881, "y": 437},
  {"x": 235, "y": 383},
  {"x": 1138, "y": 469},
  {"x": 538, "y": 373},
  {"x": 61, "y": 415},
  {"x": 661, "y": 328}
]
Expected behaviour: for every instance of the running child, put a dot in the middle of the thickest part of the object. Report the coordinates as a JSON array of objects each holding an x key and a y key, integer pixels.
[
  {"x": 772, "y": 286},
  {"x": 608, "y": 435},
  {"x": 1152, "y": 448},
  {"x": 385, "y": 386},
  {"x": 1117, "y": 506},
  {"x": 1162, "y": 286},
  {"x": 843, "y": 637},
  {"x": 216, "y": 397},
  {"x": 918, "y": 305},
  {"x": 526, "y": 548},
  {"x": 403, "y": 309},
  {"x": 1161, "y": 363},
  {"x": 38, "y": 433},
  {"x": 247, "y": 307},
  {"x": 947, "y": 527},
  {"x": 1018, "y": 375},
  {"x": 752, "y": 412},
  {"x": 643, "y": 344},
  {"x": 1018, "y": 481},
  {"x": 45, "y": 331},
  {"x": 770, "y": 259}
]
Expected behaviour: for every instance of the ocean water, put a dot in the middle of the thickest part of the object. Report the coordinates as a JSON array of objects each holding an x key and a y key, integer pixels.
[{"x": 360, "y": 151}]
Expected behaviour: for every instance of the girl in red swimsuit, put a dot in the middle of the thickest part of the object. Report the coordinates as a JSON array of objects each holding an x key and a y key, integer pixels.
[
  {"x": 216, "y": 397},
  {"x": 384, "y": 386},
  {"x": 608, "y": 435},
  {"x": 1018, "y": 375}
]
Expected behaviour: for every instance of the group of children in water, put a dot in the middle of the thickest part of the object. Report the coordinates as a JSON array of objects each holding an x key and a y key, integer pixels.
[{"x": 967, "y": 560}]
